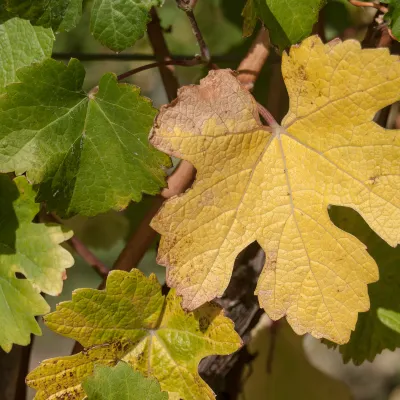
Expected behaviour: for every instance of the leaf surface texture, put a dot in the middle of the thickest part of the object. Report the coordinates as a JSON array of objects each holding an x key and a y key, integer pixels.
[
  {"x": 275, "y": 186},
  {"x": 32, "y": 250},
  {"x": 21, "y": 45},
  {"x": 121, "y": 383},
  {"x": 288, "y": 21},
  {"x": 119, "y": 24},
  {"x": 89, "y": 152},
  {"x": 132, "y": 321},
  {"x": 60, "y": 15}
]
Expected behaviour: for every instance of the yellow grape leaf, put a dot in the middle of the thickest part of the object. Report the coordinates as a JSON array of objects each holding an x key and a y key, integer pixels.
[
  {"x": 274, "y": 185},
  {"x": 132, "y": 321}
]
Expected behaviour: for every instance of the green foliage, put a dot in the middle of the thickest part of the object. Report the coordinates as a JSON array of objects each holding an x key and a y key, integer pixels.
[
  {"x": 86, "y": 155},
  {"x": 119, "y": 24},
  {"x": 132, "y": 321},
  {"x": 370, "y": 336},
  {"x": 121, "y": 383},
  {"x": 21, "y": 45},
  {"x": 60, "y": 15},
  {"x": 90, "y": 150},
  {"x": 390, "y": 318},
  {"x": 393, "y": 17},
  {"x": 29, "y": 249},
  {"x": 288, "y": 21},
  {"x": 116, "y": 24}
]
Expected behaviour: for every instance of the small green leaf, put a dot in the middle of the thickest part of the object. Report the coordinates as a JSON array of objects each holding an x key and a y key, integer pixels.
[
  {"x": 121, "y": 383},
  {"x": 21, "y": 45},
  {"x": 119, "y": 24},
  {"x": 390, "y": 318},
  {"x": 132, "y": 321},
  {"x": 32, "y": 250},
  {"x": 288, "y": 21},
  {"x": 60, "y": 15},
  {"x": 89, "y": 151},
  {"x": 393, "y": 17},
  {"x": 370, "y": 336}
]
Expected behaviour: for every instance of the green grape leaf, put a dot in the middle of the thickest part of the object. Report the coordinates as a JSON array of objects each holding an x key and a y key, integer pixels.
[
  {"x": 32, "y": 250},
  {"x": 21, "y": 45},
  {"x": 89, "y": 151},
  {"x": 390, "y": 318},
  {"x": 132, "y": 321},
  {"x": 119, "y": 24},
  {"x": 370, "y": 336},
  {"x": 121, "y": 383},
  {"x": 393, "y": 17},
  {"x": 60, "y": 15},
  {"x": 288, "y": 21}
]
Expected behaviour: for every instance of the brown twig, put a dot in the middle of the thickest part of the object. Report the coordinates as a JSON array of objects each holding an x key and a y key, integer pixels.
[
  {"x": 140, "y": 241},
  {"x": 378, "y": 6},
  {"x": 83, "y": 251},
  {"x": 251, "y": 65},
  {"x": 250, "y": 68},
  {"x": 135, "y": 57},
  {"x": 205, "y": 52},
  {"x": 89, "y": 257},
  {"x": 187, "y": 6},
  {"x": 183, "y": 63},
  {"x": 144, "y": 235},
  {"x": 160, "y": 49}
]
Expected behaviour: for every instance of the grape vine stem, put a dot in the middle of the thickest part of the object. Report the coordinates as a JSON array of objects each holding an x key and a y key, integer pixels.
[
  {"x": 83, "y": 251},
  {"x": 183, "y": 63},
  {"x": 188, "y": 6},
  {"x": 378, "y": 6},
  {"x": 250, "y": 67}
]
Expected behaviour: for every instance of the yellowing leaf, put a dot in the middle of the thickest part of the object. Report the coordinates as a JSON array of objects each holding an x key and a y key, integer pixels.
[
  {"x": 274, "y": 186},
  {"x": 32, "y": 250},
  {"x": 132, "y": 321}
]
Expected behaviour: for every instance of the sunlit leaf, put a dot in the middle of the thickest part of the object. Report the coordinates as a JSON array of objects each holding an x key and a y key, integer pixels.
[
  {"x": 390, "y": 318},
  {"x": 132, "y": 321},
  {"x": 393, "y": 17},
  {"x": 60, "y": 15},
  {"x": 89, "y": 151},
  {"x": 29, "y": 249},
  {"x": 275, "y": 185},
  {"x": 119, "y": 24},
  {"x": 288, "y": 21},
  {"x": 21, "y": 44},
  {"x": 121, "y": 383}
]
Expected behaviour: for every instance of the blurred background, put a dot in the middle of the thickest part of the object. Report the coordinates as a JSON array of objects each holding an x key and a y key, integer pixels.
[{"x": 286, "y": 366}]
